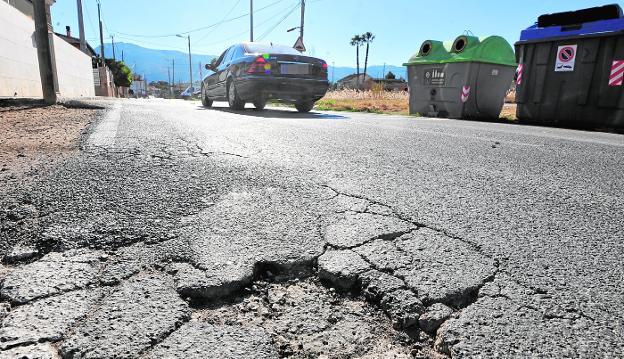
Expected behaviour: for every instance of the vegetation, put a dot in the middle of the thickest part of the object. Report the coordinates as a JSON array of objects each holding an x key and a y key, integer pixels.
[
  {"x": 367, "y": 38},
  {"x": 375, "y": 101},
  {"x": 357, "y": 42},
  {"x": 390, "y": 76},
  {"x": 122, "y": 75}
]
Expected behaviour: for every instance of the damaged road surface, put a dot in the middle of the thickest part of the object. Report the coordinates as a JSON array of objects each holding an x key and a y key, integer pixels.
[{"x": 180, "y": 232}]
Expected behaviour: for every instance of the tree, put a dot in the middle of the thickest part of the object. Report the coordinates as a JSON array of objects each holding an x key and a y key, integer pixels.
[
  {"x": 390, "y": 76},
  {"x": 367, "y": 39},
  {"x": 122, "y": 75},
  {"x": 357, "y": 42}
]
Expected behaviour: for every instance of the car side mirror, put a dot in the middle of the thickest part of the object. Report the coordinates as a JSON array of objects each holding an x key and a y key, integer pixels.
[{"x": 209, "y": 67}]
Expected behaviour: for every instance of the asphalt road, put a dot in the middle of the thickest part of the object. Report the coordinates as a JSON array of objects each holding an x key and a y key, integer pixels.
[{"x": 186, "y": 232}]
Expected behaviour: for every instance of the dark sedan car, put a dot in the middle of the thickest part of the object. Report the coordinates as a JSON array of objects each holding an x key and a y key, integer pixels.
[{"x": 255, "y": 72}]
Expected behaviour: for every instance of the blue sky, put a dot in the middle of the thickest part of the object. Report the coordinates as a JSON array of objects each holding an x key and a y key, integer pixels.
[{"x": 400, "y": 26}]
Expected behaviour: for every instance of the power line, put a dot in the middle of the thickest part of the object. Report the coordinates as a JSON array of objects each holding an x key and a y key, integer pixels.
[
  {"x": 200, "y": 28},
  {"x": 89, "y": 18},
  {"x": 216, "y": 27},
  {"x": 279, "y": 22},
  {"x": 237, "y": 35}
]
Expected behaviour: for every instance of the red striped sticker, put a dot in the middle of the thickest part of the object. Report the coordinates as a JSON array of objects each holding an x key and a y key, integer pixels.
[
  {"x": 465, "y": 94},
  {"x": 519, "y": 74},
  {"x": 617, "y": 73}
]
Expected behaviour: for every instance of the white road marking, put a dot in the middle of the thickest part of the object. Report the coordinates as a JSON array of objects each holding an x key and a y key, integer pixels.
[{"x": 106, "y": 132}]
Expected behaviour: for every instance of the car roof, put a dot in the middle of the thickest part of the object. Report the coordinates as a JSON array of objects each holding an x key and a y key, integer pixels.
[{"x": 263, "y": 48}]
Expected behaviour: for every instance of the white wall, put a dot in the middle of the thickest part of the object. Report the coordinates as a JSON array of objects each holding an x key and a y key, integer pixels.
[
  {"x": 74, "y": 70},
  {"x": 19, "y": 67}
]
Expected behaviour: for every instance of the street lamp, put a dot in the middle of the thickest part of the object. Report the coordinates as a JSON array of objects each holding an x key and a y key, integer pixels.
[{"x": 190, "y": 60}]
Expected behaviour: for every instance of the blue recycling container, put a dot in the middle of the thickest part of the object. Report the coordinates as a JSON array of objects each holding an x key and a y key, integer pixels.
[{"x": 571, "y": 69}]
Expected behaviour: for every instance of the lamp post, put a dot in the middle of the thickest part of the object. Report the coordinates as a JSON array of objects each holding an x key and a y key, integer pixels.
[{"x": 190, "y": 60}]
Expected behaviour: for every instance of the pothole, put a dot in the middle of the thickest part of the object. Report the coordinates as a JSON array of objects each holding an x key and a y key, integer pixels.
[{"x": 305, "y": 319}]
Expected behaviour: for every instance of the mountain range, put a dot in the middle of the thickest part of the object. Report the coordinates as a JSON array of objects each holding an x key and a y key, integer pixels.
[{"x": 153, "y": 64}]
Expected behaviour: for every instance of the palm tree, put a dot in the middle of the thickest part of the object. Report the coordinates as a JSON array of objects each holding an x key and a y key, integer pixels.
[
  {"x": 367, "y": 39},
  {"x": 357, "y": 42}
]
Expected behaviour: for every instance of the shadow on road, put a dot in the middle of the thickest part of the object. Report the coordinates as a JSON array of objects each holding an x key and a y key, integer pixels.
[{"x": 272, "y": 113}]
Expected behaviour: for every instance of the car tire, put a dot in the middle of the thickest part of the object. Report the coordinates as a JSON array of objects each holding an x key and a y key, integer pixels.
[
  {"x": 235, "y": 102},
  {"x": 206, "y": 102},
  {"x": 304, "y": 106},
  {"x": 260, "y": 103}
]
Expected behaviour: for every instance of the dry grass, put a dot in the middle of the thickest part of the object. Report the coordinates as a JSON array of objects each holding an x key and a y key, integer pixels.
[
  {"x": 375, "y": 101},
  {"x": 396, "y": 102},
  {"x": 509, "y": 112}
]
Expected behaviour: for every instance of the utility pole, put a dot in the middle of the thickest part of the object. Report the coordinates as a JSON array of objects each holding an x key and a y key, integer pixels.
[
  {"x": 83, "y": 42},
  {"x": 190, "y": 58},
  {"x": 101, "y": 34},
  {"x": 169, "y": 81},
  {"x": 190, "y": 63},
  {"x": 113, "y": 43},
  {"x": 302, "y": 19},
  {"x": 201, "y": 73},
  {"x": 122, "y": 56},
  {"x": 251, "y": 37},
  {"x": 44, "y": 54},
  {"x": 383, "y": 76},
  {"x": 173, "y": 78}
]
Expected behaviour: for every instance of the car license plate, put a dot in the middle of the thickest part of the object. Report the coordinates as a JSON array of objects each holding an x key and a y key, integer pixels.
[{"x": 295, "y": 69}]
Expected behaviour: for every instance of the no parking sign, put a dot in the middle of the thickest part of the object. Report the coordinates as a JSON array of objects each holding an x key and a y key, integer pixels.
[{"x": 566, "y": 58}]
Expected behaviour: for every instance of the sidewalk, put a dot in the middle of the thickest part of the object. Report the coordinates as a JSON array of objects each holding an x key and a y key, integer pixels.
[{"x": 35, "y": 137}]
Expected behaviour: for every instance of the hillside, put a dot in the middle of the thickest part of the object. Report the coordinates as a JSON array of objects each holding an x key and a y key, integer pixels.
[{"x": 153, "y": 63}]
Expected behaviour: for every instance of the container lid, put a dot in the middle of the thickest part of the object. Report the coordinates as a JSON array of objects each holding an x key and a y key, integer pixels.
[
  {"x": 585, "y": 22},
  {"x": 492, "y": 49}
]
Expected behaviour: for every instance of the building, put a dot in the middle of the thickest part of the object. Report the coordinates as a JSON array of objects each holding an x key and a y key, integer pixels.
[
  {"x": 102, "y": 76},
  {"x": 366, "y": 83},
  {"x": 75, "y": 42},
  {"x": 355, "y": 82},
  {"x": 19, "y": 63},
  {"x": 23, "y": 6},
  {"x": 138, "y": 88},
  {"x": 392, "y": 84}
]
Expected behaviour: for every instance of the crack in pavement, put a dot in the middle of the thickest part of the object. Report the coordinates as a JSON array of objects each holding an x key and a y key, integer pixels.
[
  {"x": 401, "y": 303},
  {"x": 441, "y": 276}
]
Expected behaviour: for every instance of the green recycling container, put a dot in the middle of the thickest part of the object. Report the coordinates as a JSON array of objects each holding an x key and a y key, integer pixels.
[{"x": 464, "y": 79}]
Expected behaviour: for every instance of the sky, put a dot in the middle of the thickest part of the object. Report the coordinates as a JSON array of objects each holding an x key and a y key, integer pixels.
[{"x": 399, "y": 26}]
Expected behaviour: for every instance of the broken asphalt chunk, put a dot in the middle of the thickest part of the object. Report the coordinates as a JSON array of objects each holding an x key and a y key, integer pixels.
[
  {"x": 46, "y": 319},
  {"x": 403, "y": 307},
  {"x": 53, "y": 274},
  {"x": 138, "y": 314},
  {"x": 449, "y": 270},
  {"x": 342, "y": 267},
  {"x": 199, "y": 340},
  {"x": 434, "y": 317},
  {"x": 375, "y": 284}
]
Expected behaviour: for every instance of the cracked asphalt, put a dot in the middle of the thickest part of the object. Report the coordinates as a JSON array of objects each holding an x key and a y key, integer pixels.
[{"x": 178, "y": 231}]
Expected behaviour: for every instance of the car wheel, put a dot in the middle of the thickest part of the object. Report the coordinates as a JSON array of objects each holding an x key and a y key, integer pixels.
[
  {"x": 260, "y": 103},
  {"x": 233, "y": 100},
  {"x": 206, "y": 102},
  {"x": 304, "y": 106}
]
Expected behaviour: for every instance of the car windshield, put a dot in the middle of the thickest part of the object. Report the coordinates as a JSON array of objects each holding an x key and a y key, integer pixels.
[{"x": 255, "y": 48}]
